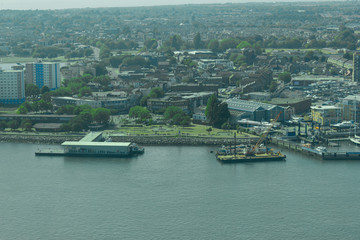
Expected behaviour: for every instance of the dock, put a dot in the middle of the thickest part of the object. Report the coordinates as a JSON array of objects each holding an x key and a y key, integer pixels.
[
  {"x": 324, "y": 155},
  {"x": 93, "y": 145},
  {"x": 50, "y": 152}
]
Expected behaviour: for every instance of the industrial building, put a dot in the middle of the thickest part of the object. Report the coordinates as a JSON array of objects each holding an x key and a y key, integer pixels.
[{"x": 258, "y": 111}]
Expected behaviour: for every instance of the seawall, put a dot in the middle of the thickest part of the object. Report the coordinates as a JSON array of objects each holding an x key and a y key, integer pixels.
[{"x": 141, "y": 140}]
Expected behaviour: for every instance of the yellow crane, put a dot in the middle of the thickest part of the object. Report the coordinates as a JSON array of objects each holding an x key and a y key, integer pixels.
[{"x": 262, "y": 137}]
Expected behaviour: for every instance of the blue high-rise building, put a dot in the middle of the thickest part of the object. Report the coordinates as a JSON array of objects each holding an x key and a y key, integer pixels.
[{"x": 43, "y": 74}]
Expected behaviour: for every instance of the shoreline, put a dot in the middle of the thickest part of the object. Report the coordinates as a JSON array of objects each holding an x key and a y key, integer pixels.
[{"x": 141, "y": 140}]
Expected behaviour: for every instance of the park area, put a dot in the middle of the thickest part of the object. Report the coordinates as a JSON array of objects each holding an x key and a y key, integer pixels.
[{"x": 194, "y": 130}]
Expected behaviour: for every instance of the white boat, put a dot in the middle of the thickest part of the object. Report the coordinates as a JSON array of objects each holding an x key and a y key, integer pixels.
[{"x": 355, "y": 139}]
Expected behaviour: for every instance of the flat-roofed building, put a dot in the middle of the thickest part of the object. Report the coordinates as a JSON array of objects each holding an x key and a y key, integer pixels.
[
  {"x": 326, "y": 115},
  {"x": 258, "y": 111},
  {"x": 12, "y": 87},
  {"x": 43, "y": 74},
  {"x": 97, "y": 148},
  {"x": 356, "y": 70}
]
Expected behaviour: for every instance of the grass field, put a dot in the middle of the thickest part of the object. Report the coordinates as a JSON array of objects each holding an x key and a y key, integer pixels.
[{"x": 193, "y": 130}]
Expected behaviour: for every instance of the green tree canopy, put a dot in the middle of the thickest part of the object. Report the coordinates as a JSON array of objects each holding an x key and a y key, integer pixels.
[
  {"x": 197, "y": 41},
  {"x": 285, "y": 77},
  {"x": 102, "y": 115},
  {"x": 31, "y": 90},
  {"x": 216, "y": 112},
  {"x": 140, "y": 113}
]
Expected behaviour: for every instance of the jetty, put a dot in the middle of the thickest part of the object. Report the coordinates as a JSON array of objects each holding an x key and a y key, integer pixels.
[
  {"x": 93, "y": 145},
  {"x": 319, "y": 152}
]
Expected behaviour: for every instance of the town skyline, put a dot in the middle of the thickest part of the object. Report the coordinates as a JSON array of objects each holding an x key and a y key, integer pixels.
[{"x": 68, "y": 4}]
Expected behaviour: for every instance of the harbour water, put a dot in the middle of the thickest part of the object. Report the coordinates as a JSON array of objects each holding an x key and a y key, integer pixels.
[{"x": 176, "y": 193}]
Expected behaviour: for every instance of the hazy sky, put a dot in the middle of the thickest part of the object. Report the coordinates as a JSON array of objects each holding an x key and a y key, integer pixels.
[{"x": 61, "y": 4}]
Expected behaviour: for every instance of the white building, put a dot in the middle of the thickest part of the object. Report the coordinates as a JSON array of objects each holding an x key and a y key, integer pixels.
[
  {"x": 12, "y": 87},
  {"x": 213, "y": 63},
  {"x": 43, "y": 74}
]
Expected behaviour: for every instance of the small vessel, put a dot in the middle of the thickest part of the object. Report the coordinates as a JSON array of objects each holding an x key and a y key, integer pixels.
[{"x": 355, "y": 139}]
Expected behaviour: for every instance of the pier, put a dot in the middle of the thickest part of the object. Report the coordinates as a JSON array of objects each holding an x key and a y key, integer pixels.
[{"x": 324, "y": 155}]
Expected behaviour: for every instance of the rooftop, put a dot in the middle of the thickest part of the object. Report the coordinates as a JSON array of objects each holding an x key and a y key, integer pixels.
[{"x": 96, "y": 144}]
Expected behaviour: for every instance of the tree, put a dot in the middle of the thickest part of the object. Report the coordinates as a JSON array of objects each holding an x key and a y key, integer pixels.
[
  {"x": 273, "y": 86},
  {"x": 85, "y": 91},
  {"x": 211, "y": 109},
  {"x": 223, "y": 115},
  {"x": 13, "y": 124},
  {"x": 197, "y": 41},
  {"x": 171, "y": 111},
  {"x": 175, "y": 42},
  {"x": 102, "y": 115},
  {"x": 243, "y": 44},
  {"x": 156, "y": 93},
  {"x": 26, "y": 124},
  {"x": 177, "y": 116},
  {"x": 151, "y": 44},
  {"x": 214, "y": 45},
  {"x": 141, "y": 113},
  {"x": 216, "y": 112},
  {"x": 348, "y": 55},
  {"x": 228, "y": 43},
  {"x": 3, "y": 125},
  {"x": 44, "y": 89},
  {"x": 31, "y": 90},
  {"x": 285, "y": 77},
  {"x": 100, "y": 69}
]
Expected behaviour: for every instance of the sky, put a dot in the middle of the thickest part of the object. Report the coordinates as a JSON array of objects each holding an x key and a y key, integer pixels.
[{"x": 63, "y": 4}]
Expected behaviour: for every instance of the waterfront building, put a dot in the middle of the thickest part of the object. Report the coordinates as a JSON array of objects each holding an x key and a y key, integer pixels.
[
  {"x": 258, "y": 111},
  {"x": 121, "y": 104},
  {"x": 356, "y": 70},
  {"x": 186, "y": 101},
  {"x": 326, "y": 115},
  {"x": 43, "y": 74},
  {"x": 12, "y": 87},
  {"x": 351, "y": 108}
]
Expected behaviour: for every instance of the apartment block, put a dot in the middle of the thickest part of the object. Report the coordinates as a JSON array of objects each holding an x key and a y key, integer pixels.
[
  {"x": 43, "y": 74},
  {"x": 12, "y": 87}
]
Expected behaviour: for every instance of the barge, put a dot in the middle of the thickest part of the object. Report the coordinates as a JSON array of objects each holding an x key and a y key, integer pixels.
[{"x": 257, "y": 157}]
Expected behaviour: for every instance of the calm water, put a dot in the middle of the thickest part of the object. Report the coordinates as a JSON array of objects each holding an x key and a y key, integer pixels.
[{"x": 175, "y": 193}]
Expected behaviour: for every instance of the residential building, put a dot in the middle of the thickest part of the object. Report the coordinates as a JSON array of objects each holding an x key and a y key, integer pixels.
[
  {"x": 207, "y": 64},
  {"x": 43, "y": 74},
  {"x": 356, "y": 70},
  {"x": 351, "y": 108},
  {"x": 326, "y": 115},
  {"x": 12, "y": 87}
]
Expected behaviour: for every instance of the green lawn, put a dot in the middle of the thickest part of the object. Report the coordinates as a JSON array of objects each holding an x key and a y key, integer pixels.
[{"x": 193, "y": 130}]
